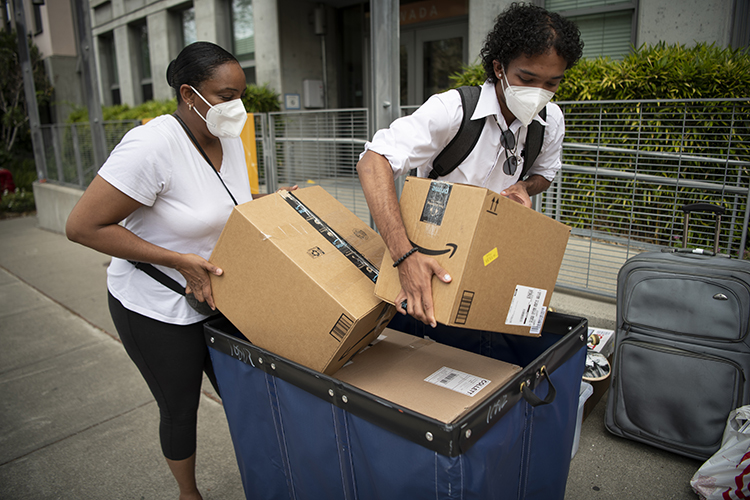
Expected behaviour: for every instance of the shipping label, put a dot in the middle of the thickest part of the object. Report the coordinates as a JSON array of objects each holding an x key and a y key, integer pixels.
[
  {"x": 464, "y": 383},
  {"x": 436, "y": 202},
  {"x": 526, "y": 307}
]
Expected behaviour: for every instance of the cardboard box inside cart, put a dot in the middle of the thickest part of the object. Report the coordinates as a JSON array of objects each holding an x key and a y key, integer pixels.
[
  {"x": 299, "y": 277},
  {"x": 430, "y": 378},
  {"x": 503, "y": 258}
]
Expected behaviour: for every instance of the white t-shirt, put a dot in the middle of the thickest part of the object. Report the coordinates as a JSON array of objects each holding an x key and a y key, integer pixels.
[
  {"x": 185, "y": 208},
  {"x": 415, "y": 141}
]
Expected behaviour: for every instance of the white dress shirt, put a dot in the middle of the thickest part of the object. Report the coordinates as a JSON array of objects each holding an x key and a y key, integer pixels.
[{"x": 415, "y": 141}]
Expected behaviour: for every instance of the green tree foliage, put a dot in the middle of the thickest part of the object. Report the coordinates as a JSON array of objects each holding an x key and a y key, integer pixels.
[
  {"x": 16, "y": 152},
  {"x": 658, "y": 71},
  {"x": 261, "y": 99},
  {"x": 256, "y": 100},
  {"x": 661, "y": 71},
  {"x": 673, "y": 136}
]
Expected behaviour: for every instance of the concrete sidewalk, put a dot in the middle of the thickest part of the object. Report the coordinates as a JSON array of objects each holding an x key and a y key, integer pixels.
[{"x": 77, "y": 420}]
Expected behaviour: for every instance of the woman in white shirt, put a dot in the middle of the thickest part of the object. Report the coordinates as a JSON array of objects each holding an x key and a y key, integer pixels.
[{"x": 159, "y": 199}]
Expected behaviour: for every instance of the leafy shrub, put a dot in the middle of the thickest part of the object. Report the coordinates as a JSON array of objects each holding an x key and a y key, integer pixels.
[
  {"x": 18, "y": 201},
  {"x": 658, "y": 71},
  {"x": 256, "y": 100},
  {"x": 261, "y": 99},
  {"x": 652, "y": 72}
]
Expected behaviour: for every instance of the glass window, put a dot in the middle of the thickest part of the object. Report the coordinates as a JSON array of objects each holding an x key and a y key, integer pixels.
[
  {"x": 145, "y": 57},
  {"x": 243, "y": 29},
  {"x": 110, "y": 76},
  {"x": 37, "y": 9},
  {"x": 440, "y": 59},
  {"x": 147, "y": 91},
  {"x": 189, "y": 35},
  {"x": 606, "y": 25}
]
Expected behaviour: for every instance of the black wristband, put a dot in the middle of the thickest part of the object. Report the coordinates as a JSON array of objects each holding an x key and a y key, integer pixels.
[{"x": 403, "y": 257}]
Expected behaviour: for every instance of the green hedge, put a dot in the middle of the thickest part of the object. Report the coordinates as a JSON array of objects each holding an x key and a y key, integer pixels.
[
  {"x": 257, "y": 99},
  {"x": 658, "y": 71},
  {"x": 651, "y": 72}
]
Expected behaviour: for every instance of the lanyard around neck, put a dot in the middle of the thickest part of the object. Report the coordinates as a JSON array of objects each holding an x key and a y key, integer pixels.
[{"x": 205, "y": 156}]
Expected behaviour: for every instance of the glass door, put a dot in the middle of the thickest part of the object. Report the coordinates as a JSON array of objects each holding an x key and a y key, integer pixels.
[{"x": 428, "y": 57}]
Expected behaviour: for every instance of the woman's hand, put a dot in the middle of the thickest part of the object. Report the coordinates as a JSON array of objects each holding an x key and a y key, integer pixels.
[{"x": 195, "y": 269}]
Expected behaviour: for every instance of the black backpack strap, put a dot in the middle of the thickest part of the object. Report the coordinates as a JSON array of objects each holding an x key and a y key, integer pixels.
[
  {"x": 466, "y": 138},
  {"x": 159, "y": 276},
  {"x": 534, "y": 140}
]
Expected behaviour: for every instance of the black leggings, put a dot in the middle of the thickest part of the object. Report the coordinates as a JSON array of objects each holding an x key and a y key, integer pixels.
[{"x": 172, "y": 359}]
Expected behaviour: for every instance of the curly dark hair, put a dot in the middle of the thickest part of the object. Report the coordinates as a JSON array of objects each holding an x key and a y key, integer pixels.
[{"x": 525, "y": 29}]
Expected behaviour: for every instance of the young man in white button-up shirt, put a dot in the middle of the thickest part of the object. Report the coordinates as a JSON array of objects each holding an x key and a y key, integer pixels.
[{"x": 525, "y": 57}]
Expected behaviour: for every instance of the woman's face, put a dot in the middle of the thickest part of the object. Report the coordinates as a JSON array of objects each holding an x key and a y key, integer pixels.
[
  {"x": 543, "y": 71},
  {"x": 227, "y": 84}
]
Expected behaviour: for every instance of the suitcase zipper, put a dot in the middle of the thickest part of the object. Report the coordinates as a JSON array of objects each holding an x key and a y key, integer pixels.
[{"x": 684, "y": 352}]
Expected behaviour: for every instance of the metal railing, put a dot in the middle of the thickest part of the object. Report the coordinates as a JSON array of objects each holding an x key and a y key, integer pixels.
[
  {"x": 321, "y": 147},
  {"x": 69, "y": 153},
  {"x": 628, "y": 167}
]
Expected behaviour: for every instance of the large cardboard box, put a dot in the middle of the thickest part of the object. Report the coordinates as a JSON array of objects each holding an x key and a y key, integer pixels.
[
  {"x": 433, "y": 379},
  {"x": 503, "y": 258},
  {"x": 299, "y": 277}
]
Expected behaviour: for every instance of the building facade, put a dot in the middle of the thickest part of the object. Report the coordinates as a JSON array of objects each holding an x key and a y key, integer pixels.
[{"x": 315, "y": 53}]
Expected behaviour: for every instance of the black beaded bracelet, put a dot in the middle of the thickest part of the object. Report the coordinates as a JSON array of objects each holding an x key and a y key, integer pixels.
[{"x": 399, "y": 261}]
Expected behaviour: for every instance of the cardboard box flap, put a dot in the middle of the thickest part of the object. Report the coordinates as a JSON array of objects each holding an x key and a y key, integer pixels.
[{"x": 433, "y": 379}]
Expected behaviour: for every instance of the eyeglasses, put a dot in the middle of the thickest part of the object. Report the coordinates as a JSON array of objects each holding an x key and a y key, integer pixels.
[{"x": 508, "y": 142}]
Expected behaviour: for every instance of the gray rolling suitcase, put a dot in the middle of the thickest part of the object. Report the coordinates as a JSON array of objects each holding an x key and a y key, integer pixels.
[{"x": 682, "y": 352}]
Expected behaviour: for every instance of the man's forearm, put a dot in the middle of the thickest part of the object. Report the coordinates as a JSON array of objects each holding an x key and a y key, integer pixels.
[
  {"x": 376, "y": 177},
  {"x": 535, "y": 184}
]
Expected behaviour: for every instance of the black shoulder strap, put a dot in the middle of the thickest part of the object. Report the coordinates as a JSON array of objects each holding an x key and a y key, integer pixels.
[
  {"x": 466, "y": 138},
  {"x": 468, "y": 134},
  {"x": 159, "y": 276},
  {"x": 534, "y": 140}
]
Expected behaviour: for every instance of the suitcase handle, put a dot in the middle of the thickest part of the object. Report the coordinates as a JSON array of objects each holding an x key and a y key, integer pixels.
[
  {"x": 532, "y": 398},
  {"x": 717, "y": 210}
]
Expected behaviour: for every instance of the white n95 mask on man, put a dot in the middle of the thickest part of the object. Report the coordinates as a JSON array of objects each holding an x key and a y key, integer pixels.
[
  {"x": 225, "y": 119},
  {"x": 525, "y": 102}
]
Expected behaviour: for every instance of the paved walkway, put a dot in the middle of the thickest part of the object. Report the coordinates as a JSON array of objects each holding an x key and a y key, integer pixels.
[{"x": 78, "y": 422}]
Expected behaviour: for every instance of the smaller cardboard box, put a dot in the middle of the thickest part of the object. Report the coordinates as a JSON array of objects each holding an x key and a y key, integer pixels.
[
  {"x": 503, "y": 258},
  {"x": 430, "y": 378},
  {"x": 299, "y": 277}
]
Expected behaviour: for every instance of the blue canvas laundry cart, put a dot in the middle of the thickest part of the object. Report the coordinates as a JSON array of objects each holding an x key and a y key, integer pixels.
[{"x": 300, "y": 434}]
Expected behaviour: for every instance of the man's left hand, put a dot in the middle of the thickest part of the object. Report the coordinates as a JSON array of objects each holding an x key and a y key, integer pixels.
[{"x": 517, "y": 192}]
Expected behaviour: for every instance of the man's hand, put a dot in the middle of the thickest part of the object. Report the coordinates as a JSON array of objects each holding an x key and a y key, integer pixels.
[
  {"x": 522, "y": 191},
  {"x": 415, "y": 274},
  {"x": 517, "y": 192}
]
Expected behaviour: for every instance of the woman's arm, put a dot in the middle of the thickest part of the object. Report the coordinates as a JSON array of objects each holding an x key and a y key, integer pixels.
[{"x": 95, "y": 223}]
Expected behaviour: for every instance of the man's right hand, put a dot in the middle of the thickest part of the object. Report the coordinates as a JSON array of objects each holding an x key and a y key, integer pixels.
[{"x": 415, "y": 274}]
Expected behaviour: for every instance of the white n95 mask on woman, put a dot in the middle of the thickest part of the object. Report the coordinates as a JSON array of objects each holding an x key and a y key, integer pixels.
[
  {"x": 525, "y": 102},
  {"x": 225, "y": 119}
]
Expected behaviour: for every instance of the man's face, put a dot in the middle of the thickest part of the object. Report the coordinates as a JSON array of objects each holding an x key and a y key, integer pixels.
[{"x": 543, "y": 71}]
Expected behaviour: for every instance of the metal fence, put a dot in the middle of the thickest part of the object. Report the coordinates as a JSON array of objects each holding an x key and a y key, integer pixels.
[
  {"x": 69, "y": 152},
  {"x": 320, "y": 147},
  {"x": 628, "y": 167}
]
